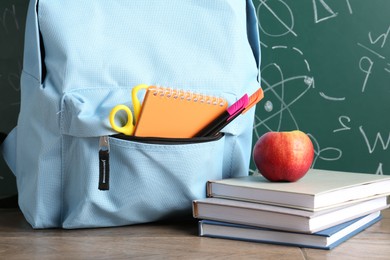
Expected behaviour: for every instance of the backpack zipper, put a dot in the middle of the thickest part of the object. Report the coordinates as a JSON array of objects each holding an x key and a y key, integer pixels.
[
  {"x": 104, "y": 163},
  {"x": 168, "y": 141}
]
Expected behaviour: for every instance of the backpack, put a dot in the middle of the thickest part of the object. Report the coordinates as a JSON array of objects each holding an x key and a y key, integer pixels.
[{"x": 81, "y": 59}]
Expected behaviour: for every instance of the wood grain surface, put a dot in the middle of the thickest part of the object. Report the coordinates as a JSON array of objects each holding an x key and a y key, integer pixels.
[{"x": 168, "y": 240}]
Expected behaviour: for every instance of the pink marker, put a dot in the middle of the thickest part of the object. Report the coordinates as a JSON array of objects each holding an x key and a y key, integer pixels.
[{"x": 233, "y": 111}]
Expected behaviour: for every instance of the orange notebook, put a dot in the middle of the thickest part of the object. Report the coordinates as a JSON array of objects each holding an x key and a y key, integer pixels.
[{"x": 175, "y": 113}]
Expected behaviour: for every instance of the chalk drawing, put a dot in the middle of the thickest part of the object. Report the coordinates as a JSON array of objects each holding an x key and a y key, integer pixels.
[
  {"x": 349, "y": 6},
  {"x": 326, "y": 154},
  {"x": 378, "y": 138},
  {"x": 343, "y": 120},
  {"x": 388, "y": 69},
  {"x": 382, "y": 37},
  {"x": 322, "y": 94},
  {"x": 379, "y": 171},
  {"x": 372, "y": 51},
  {"x": 288, "y": 27},
  {"x": 284, "y": 105},
  {"x": 366, "y": 70},
  {"x": 327, "y": 9},
  {"x": 9, "y": 14}
]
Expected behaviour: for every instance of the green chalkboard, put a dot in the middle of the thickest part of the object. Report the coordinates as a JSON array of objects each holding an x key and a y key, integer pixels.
[
  {"x": 326, "y": 71},
  {"x": 12, "y": 24}
]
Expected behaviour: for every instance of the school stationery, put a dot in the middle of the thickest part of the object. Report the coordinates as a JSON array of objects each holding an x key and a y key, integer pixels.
[
  {"x": 317, "y": 190},
  {"x": 254, "y": 99},
  {"x": 136, "y": 103},
  {"x": 175, "y": 113},
  {"x": 128, "y": 127},
  {"x": 325, "y": 239},
  {"x": 233, "y": 110},
  {"x": 282, "y": 218},
  {"x": 240, "y": 107},
  {"x": 64, "y": 148}
]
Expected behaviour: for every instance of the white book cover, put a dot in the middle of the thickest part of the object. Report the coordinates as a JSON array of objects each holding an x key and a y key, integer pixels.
[
  {"x": 317, "y": 190},
  {"x": 282, "y": 218}
]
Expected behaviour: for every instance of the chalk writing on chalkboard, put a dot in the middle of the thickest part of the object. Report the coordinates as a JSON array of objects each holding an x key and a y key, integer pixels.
[
  {"x": 11, "y": 55},
  {"x": 374, "y": 48},
  {"x": 326, "y": 70},
  {"x": 9, "y": 14}
]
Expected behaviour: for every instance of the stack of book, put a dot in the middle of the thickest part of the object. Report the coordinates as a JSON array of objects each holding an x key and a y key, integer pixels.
[{"x": 321, "y": 210}]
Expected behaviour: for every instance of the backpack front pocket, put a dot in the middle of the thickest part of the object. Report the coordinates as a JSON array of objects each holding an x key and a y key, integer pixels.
[
  {"x": 150, "y": 178},
  {"x": 147, "y": 181}
]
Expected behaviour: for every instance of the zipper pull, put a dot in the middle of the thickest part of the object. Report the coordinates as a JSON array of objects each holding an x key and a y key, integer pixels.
[{"x": 104, "y": 163}]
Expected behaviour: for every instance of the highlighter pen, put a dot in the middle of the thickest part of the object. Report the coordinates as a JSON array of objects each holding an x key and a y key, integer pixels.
[
  {"x": 253, "y": 100},
  {"x": 232, "y": 111}
]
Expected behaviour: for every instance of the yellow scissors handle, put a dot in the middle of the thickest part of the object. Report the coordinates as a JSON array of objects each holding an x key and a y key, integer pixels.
[
  {"x": 128, "y": 128},
  {"x": 136, "y": 102}
]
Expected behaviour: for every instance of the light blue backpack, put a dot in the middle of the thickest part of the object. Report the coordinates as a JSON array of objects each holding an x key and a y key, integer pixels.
[{"x": 81, "y": 59}]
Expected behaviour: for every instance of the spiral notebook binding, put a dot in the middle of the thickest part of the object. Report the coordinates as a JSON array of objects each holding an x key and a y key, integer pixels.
[{"x": 187, "y": 95}]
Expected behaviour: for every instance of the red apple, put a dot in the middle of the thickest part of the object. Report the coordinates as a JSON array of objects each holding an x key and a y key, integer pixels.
[{"x": 283, "y": 156}]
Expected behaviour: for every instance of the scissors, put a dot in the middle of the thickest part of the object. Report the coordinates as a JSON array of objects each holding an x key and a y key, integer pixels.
[{"x": 128, "y": 128}]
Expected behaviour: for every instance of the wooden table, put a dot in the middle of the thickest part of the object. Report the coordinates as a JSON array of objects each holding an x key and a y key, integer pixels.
[{"x": 177, "y": 240}]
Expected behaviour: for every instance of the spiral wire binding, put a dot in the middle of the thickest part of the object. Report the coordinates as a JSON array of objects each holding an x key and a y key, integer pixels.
[{"x": 187, "y": 95}]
